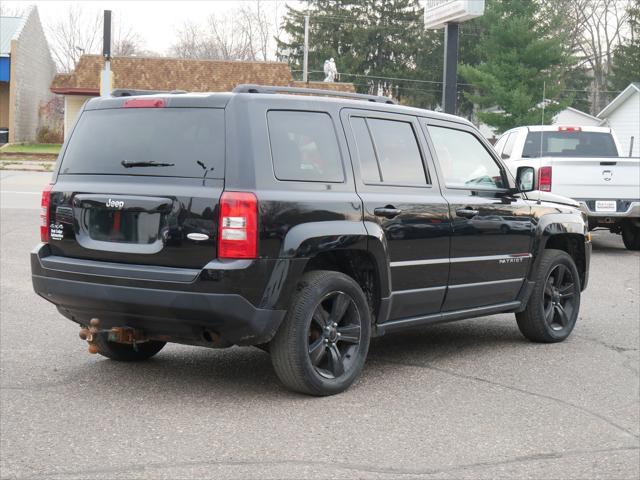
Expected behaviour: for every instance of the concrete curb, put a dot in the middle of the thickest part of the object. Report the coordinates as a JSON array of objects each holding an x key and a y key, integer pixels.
[{"x": 27, "y": 165}]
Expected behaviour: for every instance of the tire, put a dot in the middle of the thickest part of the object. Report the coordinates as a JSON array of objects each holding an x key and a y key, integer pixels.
[
  {"x": 553, "y": 307},
  {"x": 123, "y": 352},
  {"x": 309, "y": 329},
  {"x": 631, "y": 236}
]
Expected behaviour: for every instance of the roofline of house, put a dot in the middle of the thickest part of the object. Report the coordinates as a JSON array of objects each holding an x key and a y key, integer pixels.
[
  {"x": 582, "y": 113},
  {"x": 614, "y": 103},
  {"x": 75, "y": 91},
  {"x": 154, "y": 57}
]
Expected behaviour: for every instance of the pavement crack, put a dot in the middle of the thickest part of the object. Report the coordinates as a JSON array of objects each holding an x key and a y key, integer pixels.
[
  {"x": 516, "y": 389},
  {"x": 608, "y": 346},
  {"x": 354, "y": 467}
]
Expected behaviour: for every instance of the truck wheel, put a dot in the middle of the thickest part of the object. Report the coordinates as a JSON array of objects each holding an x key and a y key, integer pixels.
[
  {"x": 321, "y": 346},
  {"x": 631, "y": 236},
  {"x": 123, "y": 352},
  {"x": 553, "y": 307}
]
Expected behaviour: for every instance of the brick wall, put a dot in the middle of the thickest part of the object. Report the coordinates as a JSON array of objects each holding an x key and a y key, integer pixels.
[{"x": 32, "y": 70}]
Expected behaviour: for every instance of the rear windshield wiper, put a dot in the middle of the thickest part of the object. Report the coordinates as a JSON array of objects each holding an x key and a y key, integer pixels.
[{"x": 127, "y": 164}]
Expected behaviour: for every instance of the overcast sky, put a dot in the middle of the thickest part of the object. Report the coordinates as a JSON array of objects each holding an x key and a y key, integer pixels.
[{"x": 156, "y": 21}]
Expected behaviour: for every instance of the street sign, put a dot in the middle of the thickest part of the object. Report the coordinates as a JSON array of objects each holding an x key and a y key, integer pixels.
[{"x": 437, "y": 13}]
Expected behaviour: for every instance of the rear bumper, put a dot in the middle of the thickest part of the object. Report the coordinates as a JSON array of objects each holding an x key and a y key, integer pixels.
[
  {"x": 625, "y": 209},
  {"x": 180, "y": 310}
]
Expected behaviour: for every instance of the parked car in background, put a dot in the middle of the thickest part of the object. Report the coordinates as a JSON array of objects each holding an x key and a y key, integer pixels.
[{"x": 585, "y": 164}]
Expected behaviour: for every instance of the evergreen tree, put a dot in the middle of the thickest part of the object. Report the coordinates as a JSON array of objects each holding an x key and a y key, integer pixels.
[
  {"x": 626, "y": 58},
  {"x": 369, "y": 39},
  {"x": 517, "y": 52}
]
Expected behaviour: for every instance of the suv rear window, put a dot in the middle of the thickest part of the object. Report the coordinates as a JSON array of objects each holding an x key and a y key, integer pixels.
[
  {"x": 569, "y": 144},
  {"x": 304, "y": 147},
  {"x": 104, "y": 139}
]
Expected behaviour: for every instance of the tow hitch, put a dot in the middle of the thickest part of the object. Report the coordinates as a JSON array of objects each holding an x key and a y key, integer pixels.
[{"x": 127, "y": 335}]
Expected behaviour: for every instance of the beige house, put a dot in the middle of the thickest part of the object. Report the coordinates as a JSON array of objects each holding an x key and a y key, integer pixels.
[
  {"x": 167, "y": 74},
  {"x": 26, "y": 71}
]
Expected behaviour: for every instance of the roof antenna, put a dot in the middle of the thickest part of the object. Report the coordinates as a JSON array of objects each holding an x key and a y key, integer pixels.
[{"x": 544, "y": 92}]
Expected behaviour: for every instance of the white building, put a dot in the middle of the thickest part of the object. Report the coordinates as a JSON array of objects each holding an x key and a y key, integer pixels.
[
  {"x": 574, "y": 117},
  {"x": 623, "y": 116}
]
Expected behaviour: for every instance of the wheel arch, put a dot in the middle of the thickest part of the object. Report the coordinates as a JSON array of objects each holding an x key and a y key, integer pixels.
[
  {"x": 564, "y": 232},
  {"x": 349, "y": 249}
]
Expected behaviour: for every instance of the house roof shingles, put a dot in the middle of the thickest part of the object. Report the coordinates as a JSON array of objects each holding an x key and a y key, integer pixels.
[{"x": 147, "y": 73}]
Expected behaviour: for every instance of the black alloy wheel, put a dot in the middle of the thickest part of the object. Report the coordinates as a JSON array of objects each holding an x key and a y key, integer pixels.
[
  {"x": 552, "y": 309},
  {"x": 559, "y": 297},
  {"x": 321, "y": 347},
  {"x": 334, "y": 335}
]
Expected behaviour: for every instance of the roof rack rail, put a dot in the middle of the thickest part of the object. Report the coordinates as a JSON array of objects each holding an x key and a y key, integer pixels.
[
  {"x": 127, "y": 92},
  {"x": 251, "y": 88}
]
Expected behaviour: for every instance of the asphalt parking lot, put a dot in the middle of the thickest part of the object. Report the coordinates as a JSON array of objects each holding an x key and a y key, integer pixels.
[{"x": 471, "y": 399}]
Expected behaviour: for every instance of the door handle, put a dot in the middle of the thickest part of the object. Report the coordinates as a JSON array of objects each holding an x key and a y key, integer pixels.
[
  {"x": 466, "y": 212},
  {"x": 388, "y": 212}
]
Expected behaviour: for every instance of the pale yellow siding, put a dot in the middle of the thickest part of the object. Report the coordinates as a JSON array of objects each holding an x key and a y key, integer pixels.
[{"x": 72, "y": 106}]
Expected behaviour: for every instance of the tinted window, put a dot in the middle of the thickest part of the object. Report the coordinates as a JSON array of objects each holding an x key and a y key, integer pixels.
[
  {"x": 397, "y": 152},
  {"x": 508, "y": 146},
  {"x": 103, "y": 139},
  {"x": 464, "y": 160},
  {"x": 304, "y": 147},
  {"x": 368, "y": 164},
  {"x": 569, "y": 144}
]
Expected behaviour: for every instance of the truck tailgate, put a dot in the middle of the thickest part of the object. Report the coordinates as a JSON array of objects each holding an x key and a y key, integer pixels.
[{"x": 593, "y": 178}]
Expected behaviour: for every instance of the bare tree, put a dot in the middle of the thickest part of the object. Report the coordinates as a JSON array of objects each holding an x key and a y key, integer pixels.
[
  {"x": 12, "y": 11},
  {"x": 77, "y": 33},
  {"x": 597, "y": 28},
  {"x": 245, "y": 33},
  {"x": 194, "y": 42},
  {"x": 258, "y": 29},
  {"x": 230, "y": 38},
  {"x": 126, "y": 42}
]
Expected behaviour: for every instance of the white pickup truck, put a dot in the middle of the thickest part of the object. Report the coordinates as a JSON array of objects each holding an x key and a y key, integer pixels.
[{"x": 582, "y": 163}]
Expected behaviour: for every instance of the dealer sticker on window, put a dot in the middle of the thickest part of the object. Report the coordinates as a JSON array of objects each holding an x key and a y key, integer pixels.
[{"x": 606, "y": 206}]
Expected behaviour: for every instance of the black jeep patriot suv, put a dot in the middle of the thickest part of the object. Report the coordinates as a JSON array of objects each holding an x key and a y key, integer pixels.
[{"x": 302, "y": 224}]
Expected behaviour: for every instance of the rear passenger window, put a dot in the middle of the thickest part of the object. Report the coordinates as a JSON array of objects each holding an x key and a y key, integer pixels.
[
  {"x": 388, "y": 152},
  {"x": 304, "y": 147}
]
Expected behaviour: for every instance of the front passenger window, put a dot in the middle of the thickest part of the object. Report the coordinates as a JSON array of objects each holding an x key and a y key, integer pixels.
[{"x": 464, "y": 161}]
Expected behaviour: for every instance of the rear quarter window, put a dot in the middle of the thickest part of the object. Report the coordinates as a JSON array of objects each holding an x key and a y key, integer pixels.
[{"x": 304, "y": 146}]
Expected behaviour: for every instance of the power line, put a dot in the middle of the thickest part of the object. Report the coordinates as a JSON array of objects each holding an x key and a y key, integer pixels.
[{"x": 378, "y": 77}]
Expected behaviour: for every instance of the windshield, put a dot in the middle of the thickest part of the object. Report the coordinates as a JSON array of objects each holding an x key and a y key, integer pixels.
[
  {"x": 570, "y": 144},
  {"x": 174, "y": 142}
]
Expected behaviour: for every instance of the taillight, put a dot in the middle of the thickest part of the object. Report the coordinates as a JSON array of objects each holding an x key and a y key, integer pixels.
[
  {"x": 569, "y": 129},
  {"x": 238, "y": 225},
  {"x": 544, "y": 179},
  {"x": 45, "y": 202},
  {"x": 144, "y": 103}
]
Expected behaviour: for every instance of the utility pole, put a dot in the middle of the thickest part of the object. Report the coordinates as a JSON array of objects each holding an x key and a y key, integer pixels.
[
  {"x": 106, "y": 76},
  {"x": 450, "y": 80},
  {"x": 305, "y": 62}
]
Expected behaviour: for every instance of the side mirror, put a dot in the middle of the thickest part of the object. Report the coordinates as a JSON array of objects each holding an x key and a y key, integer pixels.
[{"x": 525, "y": 179}]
